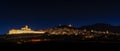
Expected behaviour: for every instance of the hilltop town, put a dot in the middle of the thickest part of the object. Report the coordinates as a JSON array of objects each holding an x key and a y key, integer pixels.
[
  {"x": 96, "y": 32},
  {"x": 70, "y": 29}
]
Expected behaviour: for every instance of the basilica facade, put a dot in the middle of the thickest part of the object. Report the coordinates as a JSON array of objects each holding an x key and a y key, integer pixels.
[{"x": 24, "y": 30}]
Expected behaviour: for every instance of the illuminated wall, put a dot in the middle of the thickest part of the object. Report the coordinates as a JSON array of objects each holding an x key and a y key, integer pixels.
[{"x": 25, "y": 29}]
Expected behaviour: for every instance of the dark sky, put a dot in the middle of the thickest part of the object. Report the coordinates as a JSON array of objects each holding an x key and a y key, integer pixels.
[{"x": 47, "y": 13}]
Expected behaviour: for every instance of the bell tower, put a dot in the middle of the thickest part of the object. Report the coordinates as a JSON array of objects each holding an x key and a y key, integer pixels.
[{"x": 26, "y": 28}]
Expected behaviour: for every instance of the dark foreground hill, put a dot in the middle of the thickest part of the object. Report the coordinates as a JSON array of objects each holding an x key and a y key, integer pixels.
[
  {"x": 62, "y": 45},
  {"x": 56, "y": 42}
]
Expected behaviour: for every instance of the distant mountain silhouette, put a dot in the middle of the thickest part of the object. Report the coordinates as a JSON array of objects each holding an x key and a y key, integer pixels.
[{"x": 102, "y": 27}]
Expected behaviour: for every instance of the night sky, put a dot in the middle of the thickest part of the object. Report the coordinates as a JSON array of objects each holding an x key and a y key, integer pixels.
[{"x": 48, "y": 13}]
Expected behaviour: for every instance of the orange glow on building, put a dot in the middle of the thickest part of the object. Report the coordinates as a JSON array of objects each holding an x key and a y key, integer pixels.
[{"x": 35, "y": 40}]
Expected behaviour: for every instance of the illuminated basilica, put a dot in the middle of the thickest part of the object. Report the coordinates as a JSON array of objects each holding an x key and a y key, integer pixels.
[{"x": 24, "y": 30}]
